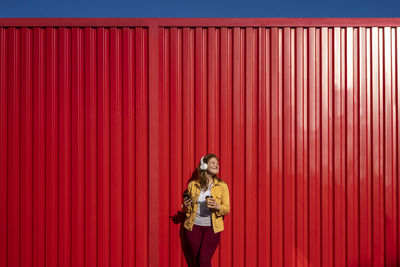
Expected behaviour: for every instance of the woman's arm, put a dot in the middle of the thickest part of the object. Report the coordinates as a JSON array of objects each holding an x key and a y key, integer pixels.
[
  {"x": 187, "y": 208},
  {"x": 224, "y": 207}
]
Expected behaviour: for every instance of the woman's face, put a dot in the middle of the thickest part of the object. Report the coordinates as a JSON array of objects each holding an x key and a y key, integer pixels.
[{"x": 213, "y": 166}]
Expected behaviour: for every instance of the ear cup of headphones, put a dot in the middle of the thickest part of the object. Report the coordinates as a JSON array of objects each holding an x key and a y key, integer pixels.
[{"x": 203, "y": 166}]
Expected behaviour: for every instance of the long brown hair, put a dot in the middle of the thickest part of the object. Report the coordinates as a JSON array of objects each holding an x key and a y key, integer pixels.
[{"x": 201, "y": 175}]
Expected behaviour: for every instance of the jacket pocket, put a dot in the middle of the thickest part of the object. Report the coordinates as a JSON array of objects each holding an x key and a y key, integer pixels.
[{"x": 219, "y": 222}]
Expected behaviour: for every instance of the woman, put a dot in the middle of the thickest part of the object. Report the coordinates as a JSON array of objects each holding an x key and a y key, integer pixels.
[{"x": 206, "y": 203}]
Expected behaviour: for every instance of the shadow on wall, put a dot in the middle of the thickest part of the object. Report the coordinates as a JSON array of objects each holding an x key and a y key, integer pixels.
[{"x": 179, "y": 218}]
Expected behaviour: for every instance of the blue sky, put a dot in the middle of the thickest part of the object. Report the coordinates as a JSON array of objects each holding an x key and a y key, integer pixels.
[{"x": 199, "y": 8}]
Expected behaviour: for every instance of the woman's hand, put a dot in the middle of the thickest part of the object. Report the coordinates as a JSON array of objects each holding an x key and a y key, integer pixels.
[
  {"x": 187, "y": 202},
  {"x": 213, "y": 204}
]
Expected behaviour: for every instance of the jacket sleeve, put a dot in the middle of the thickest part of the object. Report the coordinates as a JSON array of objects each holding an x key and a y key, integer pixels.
[
  {"x": 224, "y": 207},
  {"x": 185, "y": 209}
]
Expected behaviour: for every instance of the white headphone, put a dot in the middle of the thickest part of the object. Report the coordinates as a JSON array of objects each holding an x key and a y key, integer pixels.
[{"x": 203, "y": 165}]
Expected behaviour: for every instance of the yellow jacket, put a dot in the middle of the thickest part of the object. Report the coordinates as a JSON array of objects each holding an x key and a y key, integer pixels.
[{"x": 220, "y": 193}]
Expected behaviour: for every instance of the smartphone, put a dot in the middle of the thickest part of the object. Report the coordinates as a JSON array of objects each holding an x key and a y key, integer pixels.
[{"x": 186, "y": 195}]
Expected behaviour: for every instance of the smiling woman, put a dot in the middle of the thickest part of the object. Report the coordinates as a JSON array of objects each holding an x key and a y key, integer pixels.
[{"x": 206, "y": 205}]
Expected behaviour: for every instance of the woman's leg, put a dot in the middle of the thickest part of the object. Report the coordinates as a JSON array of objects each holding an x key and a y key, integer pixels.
[
  {"x": 193, "y": 240},
  {"x": 208, "y": 247}
]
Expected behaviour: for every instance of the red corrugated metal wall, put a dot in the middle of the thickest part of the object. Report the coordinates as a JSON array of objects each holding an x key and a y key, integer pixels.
[{"x": 101, "y": 127}]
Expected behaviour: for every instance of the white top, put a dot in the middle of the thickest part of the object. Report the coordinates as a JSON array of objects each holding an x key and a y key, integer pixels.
[{"x": 203, "y": 215}]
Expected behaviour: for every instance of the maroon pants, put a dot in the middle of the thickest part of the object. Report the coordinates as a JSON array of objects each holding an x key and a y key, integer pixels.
[{"x": 202, "y": 242}]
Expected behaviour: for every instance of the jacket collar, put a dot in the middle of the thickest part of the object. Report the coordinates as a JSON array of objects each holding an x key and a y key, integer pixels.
[{"x": 215, "y": 181}]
